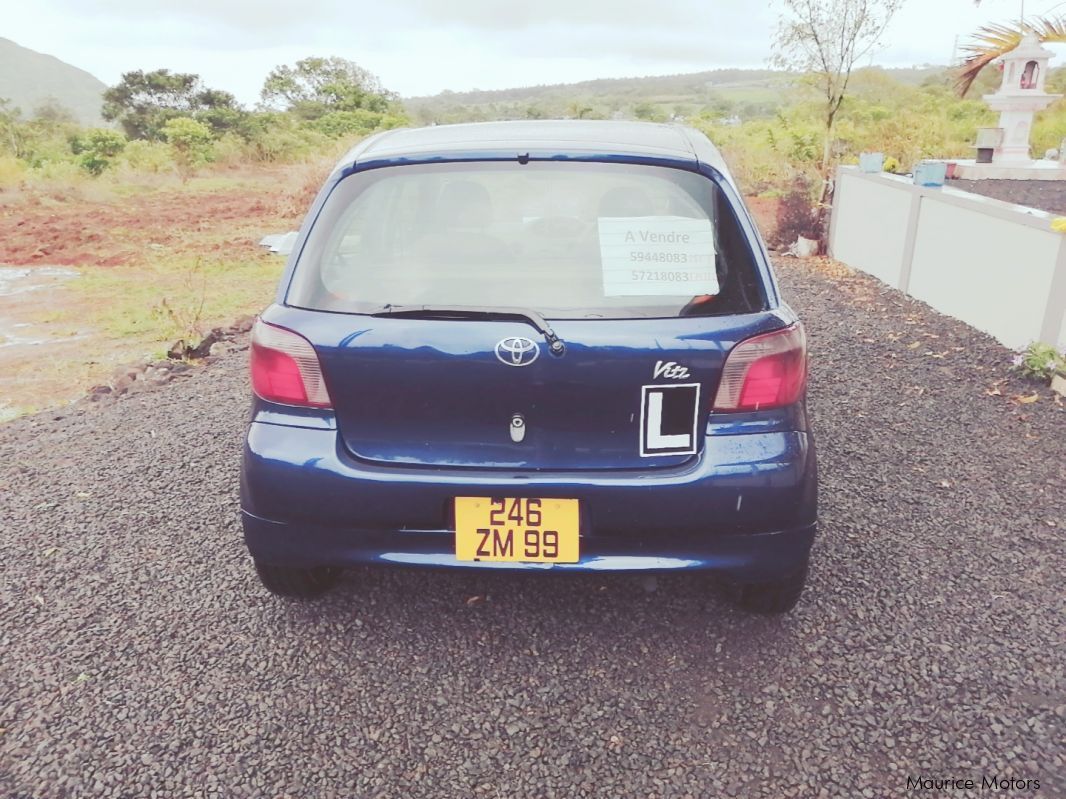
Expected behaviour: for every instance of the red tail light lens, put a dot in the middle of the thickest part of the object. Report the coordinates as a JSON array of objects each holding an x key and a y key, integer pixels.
[
  {"x": 767, "y": 371},
  {"x": 285, "y": 368}
]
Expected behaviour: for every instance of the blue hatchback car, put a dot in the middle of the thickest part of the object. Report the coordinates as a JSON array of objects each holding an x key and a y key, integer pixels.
[{"x": 531, "y": 345}]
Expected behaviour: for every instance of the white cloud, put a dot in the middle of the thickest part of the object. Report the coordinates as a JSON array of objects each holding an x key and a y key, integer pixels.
[{"x": 424, "y": 46}]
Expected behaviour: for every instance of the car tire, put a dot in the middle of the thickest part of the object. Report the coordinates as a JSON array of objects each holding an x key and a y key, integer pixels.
[
  {"x": 299, "y": 583},
  {"x": 775, "y": 597}
]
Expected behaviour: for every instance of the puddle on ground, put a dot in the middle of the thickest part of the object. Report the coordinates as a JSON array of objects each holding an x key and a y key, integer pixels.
[
  {"x": 31, "y": 346},
  {"x": 20, "y": 279},
  {"x": 16, "y": 282}
]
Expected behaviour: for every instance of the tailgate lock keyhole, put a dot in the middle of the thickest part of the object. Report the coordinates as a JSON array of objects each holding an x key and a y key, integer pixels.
[{"x": 518, "y": 428}]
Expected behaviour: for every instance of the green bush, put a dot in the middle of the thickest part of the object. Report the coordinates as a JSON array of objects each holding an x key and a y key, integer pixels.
[
  {"x": 347, "y": 123},
  {"x": 275, "y": 137},
  {"x": 65, "y": 172},
  {"x": 649, "y": 112},
  {"x": 12, "y": 171},
  {"x": 97, "y": 149},
  {"x": 758, "y": 153},
  {"x": 147, "y": 156},
  {"x": 190, "y": 144},
  {"x": 231, "y": 149}
]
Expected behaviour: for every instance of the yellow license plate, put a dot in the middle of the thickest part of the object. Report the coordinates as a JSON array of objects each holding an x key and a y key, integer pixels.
[{"x": 516, "y": 530}]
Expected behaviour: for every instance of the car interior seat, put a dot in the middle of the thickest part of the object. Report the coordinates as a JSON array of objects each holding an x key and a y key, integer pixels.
[
  {"x": 625, "y": 201},
  {"x": 460, "y": 229}
]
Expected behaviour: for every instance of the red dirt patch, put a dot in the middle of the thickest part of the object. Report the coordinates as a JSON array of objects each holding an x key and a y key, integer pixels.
[
  {"x": 764, "y": 209},
  {"x": 79, "y": 232}
]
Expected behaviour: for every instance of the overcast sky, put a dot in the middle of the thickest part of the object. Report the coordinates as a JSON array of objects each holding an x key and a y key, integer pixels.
[{"x": 425, "y": 46}]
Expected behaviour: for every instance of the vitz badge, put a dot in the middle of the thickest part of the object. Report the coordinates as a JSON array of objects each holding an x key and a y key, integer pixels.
[{"x": 670, "y": 370}]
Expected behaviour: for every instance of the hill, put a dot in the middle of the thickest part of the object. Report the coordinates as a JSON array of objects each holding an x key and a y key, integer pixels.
[
  {"x": 30, "y": 79},
  {"x": 744, "y": 93},
  {"x": 752, "y": 90}
]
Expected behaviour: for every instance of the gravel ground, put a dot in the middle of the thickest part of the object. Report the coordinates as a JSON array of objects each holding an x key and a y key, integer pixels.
[
  {"x": 141, "y": 658},
  {"x": 1047, "y": 195}
]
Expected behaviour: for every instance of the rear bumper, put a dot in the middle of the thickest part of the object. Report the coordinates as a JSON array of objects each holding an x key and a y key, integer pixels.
[
  {"x": 746, "y": 506},
  {"x": 750, "y": 557}
]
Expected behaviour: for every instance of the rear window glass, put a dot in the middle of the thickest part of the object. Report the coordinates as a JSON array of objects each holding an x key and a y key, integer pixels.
[{"x": 570, "y": 240}]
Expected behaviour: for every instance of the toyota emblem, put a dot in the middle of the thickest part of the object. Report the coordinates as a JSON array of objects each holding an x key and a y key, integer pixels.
[{"x": 517, "y": 351}]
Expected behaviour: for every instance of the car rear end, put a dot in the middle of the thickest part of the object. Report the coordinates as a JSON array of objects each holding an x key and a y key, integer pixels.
[{"x": 530, "y": 360}]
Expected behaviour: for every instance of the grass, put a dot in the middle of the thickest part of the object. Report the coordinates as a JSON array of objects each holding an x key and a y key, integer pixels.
[
  {"x": 175, "y": 297},
  {"x": 9, "y": 412},
  {"x": 49, "y": 317}
]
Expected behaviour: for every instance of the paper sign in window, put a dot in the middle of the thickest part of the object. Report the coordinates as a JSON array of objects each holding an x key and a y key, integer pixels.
[{"x": 657, "y": 255}]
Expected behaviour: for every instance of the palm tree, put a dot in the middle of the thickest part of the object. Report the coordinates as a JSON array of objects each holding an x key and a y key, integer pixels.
[{"x": 994, "y": 41}]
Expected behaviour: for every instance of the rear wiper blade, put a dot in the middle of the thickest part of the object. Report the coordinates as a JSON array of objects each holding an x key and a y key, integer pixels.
[{"x": 527, "y": 315}]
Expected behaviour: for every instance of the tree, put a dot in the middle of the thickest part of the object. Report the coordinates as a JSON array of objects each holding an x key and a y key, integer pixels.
[
  {"x": 827, "y": 38},
  {"x": 51, "y": 112},
  {"x": 578, "y": 110},
  {"x": 143, "y": 102},
  {"x": 649, "y": 112},
  {"x": 314, "y": 87},
  {"x": 12, "y": 134},
  {"x": 220, "y": 111},
  {"x": 190, "y": 143}
]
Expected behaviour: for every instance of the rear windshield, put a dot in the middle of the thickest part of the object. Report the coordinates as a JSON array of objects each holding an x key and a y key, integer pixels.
[{"x": 570, "y": 240}]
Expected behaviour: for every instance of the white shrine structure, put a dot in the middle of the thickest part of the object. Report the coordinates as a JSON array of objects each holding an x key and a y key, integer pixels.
[{"x": 1003, "y": 152}]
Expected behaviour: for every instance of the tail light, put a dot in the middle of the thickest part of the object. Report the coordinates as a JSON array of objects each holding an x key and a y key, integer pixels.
[
  {"x": 767, "y": 371},
  {"x": 285, "y": 368}
]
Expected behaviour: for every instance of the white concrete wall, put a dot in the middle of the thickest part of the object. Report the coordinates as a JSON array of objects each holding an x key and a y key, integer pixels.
[
  {"x": 992, "y": 273},
  {"x": 869, "y": 216},
  {"x": 995, "y": 266}
]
